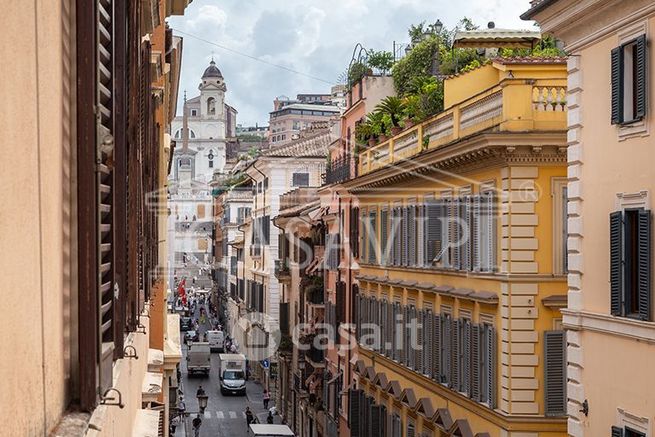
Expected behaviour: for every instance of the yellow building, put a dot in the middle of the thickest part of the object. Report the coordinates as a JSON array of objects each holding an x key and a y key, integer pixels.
[
  {"x": 610, "y": 318},
  {"x": 462, "y": 256}
]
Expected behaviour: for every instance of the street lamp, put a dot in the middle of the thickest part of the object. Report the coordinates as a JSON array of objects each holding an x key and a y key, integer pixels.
[
  {"x": 202, "y": 402},
  {"x": 438, "y": 26}
]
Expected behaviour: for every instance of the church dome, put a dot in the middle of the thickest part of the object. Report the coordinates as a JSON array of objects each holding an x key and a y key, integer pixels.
[{"x": 212, "y": 71}]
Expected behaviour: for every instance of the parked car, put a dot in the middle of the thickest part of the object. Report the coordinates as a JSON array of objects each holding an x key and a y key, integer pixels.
[
  {"x": 190, "y": 336},
  {"x": 198, "y": 358},
  {"x": 215, "y": 339},
  {"x": 186, "y": 324}
]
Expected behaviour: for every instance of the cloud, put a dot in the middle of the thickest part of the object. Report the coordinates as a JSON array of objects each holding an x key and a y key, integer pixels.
[{"x": 311, "y": 36}]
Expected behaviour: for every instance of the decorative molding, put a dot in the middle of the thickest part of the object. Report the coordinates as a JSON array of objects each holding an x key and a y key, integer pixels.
[
  {"x": 637, "y": 423},
  {"x": 606, "y": 324},
  {"x": 640, "y": 199}
]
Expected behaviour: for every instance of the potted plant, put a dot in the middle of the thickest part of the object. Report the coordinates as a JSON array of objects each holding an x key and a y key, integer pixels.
[
  {"x": 412, "y": 110},
  {"x": 393, "y": 107},
  {"x": 375, "y": 121},
  {"x": 364, "y": 134}
]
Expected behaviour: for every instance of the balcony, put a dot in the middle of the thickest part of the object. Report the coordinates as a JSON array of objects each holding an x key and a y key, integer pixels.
[
  {"x": 282, "y": 271},
  {"x": 256, "y": 251},
  {"x": 516, "y": 105},
  {"x": 298, "y": 197},
  {"x": 338, "y": 170}
]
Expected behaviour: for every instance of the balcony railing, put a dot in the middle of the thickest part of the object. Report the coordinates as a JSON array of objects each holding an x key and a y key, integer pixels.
[
  {"x": 297, "y": 197},
  {"x": 338, "y": 170},
  {"x": 516, "y": 106}
]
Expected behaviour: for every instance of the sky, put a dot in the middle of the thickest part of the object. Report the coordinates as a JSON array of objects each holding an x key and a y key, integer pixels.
[{"x": 314, "y": 37}]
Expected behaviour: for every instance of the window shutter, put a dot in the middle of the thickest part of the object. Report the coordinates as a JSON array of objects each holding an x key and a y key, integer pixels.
[
  {"x": 489, "y": 199},
  {"x": 405, "y": 236},
  {"x": 420, "y": 235},
  {"x": 475, "y": 363},
  {"x": 641, "y": 64},
  {"x": 397, "y": 239},
  {"x": 372, "y": 238},
  {"x": 617, "y": 432},
  {"x": 617, "y": 85},
  {"x": 454, "y": 231},
  {"x": 616, "y": 262},
  {"x": 466, "y": 236},
  {"x": 284, "y": 318},
  {"x": 411, "y": 432},
  {"x": 384, "y": 234},
  {"x": 478, "y": 207},
  {"x": 644, "y": 267},
  {"x": 446, "y": 328},
  {"x": 364, "y": 236},
  {"x": 434, "y": 222},
  {"x": 555, "y": 373},
  {"x": 411, "y": 236},
  {"x": 436, "y": 347},
  {"x": 491, "y": 366},
  {"x": 454, "y": 354},
  {"x": 405, "y": 358},
  {"x": 427, "y": 343},
  {"x": 354, "y": 231},
  {"x": 394, "y": 337},
  {"x": 465, "y": 357},
  {"x": 376, "y": 426},
  {"x": 354, "y": 411}
]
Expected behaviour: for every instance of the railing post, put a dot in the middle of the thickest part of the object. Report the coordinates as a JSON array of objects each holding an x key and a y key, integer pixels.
[
  {"x": 391, "y": 145},
  {"x": 456, "y": 117},
  {"x": 419, "y": 138}
]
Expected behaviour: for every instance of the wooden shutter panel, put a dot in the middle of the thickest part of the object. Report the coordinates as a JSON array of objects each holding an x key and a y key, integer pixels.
[
  {"x": 617, "y": 432},
  {"x": 475, "y": 363},
  {"x": 434, "y": 212},
  {"x": 616, "y": 262},
  {"x": 411, "y": 431},
  {"x": 555, "y": 373},
  {"x": 491, "y": 366},
  {"x": 396, "y": 233},
  {"x": 455, "y": 342},
  {"x": 617, "y": 85},
  {"x": 465, "y": 233},
  {"x": 465, "y": 357},
  {"x": 446, "y": 328},
  {"x": 354, "y": 411},
  {"x": 372, "y": 238},
  {"x": 411, "y": 236},
  {"x": 405, "y": 236},
  {"x": 489, "y": 199},
  {"x": 436, "y": 347},
  {"x": 364, "y": 236},
  {"x": 284, "y": 318},
  {"x": 376, "y": 427},
  {"x": 477, "y": 210},
  {"x": 427, "y": 343},
  {"x": 644, "y": 266},
  {"x": 641, "y": 77},
  {"x": 384, "y": 236},
  {"x": 454, "y": 233}
]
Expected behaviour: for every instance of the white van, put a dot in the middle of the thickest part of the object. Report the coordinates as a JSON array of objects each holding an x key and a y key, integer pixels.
[
  {"x": 258, "y": 430},
  {"x": 216, "y": 340}
]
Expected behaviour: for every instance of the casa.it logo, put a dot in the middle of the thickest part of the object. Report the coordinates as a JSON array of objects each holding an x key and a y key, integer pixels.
[{"x": 257, "y": 335}]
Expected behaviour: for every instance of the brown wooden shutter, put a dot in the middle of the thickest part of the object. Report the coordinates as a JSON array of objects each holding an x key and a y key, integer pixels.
[
  {"x": 354, "y": 231},
  {"x": 616, "y": 262},
  {"x": 555, "y": 373},
  {"x": 617, "y": 85},
  {"x": 641, "y": 77},
  {"x": 617, "y": 432},
  {"x": 354, "y": 411}
]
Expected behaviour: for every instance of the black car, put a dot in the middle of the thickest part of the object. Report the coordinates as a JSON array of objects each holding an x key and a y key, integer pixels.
[{"x": 186, "y": 324}]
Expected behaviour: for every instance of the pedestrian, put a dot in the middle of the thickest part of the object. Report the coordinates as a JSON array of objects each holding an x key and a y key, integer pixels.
[
  {"x": 269, "y": 418},
  {"x": 196, "y": 425},
  {"x": 267, "y": 398},
  {"x": 200, "y": 391},
  {"x": 249, "y": 418}
]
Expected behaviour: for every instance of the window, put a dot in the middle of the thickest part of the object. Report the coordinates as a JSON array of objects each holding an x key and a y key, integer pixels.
[
  {"x": 626, "y": 432},
  {"x": 211, "y": 106},
  {"x": 300, "y": 180},
  {"x": 630, "y": 263},
  {"x": 629, "y": 81},
  {"x": 555, "y": 373},
  {"x": 194, "y": 113}
]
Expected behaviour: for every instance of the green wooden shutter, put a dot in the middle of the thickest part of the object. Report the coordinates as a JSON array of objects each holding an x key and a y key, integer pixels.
[
  {"x": 641, "y": 70},
  {"x": 354, "y": 411},
  {"x": 616, "y": 262},
  {"x": 475, "y": 363},
  {"x": 644, "y": 263},
  {"x": 555, "y": 373},
  {"x": 617, "y": 432},
  {"x": 617, "y": 85}
]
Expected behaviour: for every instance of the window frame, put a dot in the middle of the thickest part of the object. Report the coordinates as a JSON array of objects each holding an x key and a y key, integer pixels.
[{"x": 559, "y": 185}]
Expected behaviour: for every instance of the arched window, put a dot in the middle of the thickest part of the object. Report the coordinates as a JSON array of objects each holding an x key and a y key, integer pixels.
[
  {"x": 178, "y": 134},
  {"x": 192, "y": 134},
  {"x": 211, "y": 106}
]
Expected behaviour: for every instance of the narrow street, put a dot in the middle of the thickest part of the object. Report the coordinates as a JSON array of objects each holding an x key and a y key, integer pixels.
[{"x": 225, "y": 414}]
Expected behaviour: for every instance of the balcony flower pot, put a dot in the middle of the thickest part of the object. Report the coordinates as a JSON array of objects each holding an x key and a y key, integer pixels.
[
  {"x": 383, "y": 138},
  {"x": 396, "y": 130},
  {"x": 372, "y": 142},
  {"x": 409, "y": 123}
]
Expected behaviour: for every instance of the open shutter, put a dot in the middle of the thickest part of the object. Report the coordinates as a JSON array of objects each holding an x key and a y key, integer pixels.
[
  {"x": 466, "y": 236},
  {"x": 364, "y": 236},
  {"x": 354, "y": 411},
  {"x": 354, "y": 231},
  {"x": 436, "y": 347},
  {"x": 617, "y": 432},
  {"x": 426, "y": 366},
  {"x": 446, "y": 329},
  {"x": 411, "y": 236},
  {"x": 372, "y": 258},
  {"x": 376, "y": 420},
  {"x": 616, "y": 262},
  {"x": 384, "y": 236},
  {"x": 644, "y": 266},
  {"x": 490, "y": 340},
  {"x": 405, "y": 235},
  {"x": 465, "y": 357},
  {"x": 555, "y": 373},
  {"x": 454, "y": 354},
  {"x": 489, "y": 199},
  {"x": 397, "y": 239},
  {"x": 641, "y": 70},
  {"x": 420, "y": 235},
  {"x": 617, "y": 85},
  {"x": 475, "y": 363},
  {"x": 477, "y": 210},
  {"x": 434, "y": 212}
]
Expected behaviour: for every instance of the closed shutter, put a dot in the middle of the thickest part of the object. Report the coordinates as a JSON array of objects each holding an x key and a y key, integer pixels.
[
  {"x": 396, "y": 235},
  {"x": 364, "y": 236},
  {"x": 377, "y": 424},
  {"x": 644, "y": 267},
  {"x": 411, "y": 236},
  {"x": 475, "y": 363},
  {"x": 446, "y": 327},
  {"x": 466, "y": 234},
  {"x": 454, "y": 231},
  {"x": 617, "y": 432},
  {"x": 396, "y": 331},
  {"x": 616, "y": 262},
  {"x": 404, "y": 358},
  {"x": 420, "y": 235},
  {"x": 395, "y": 426},
  {"x": 411, "y": 431},
  {"x": 420, "y": 324},
  {"x": 641, "y": 77},
  {"x": 455, "y": 342},
  {"x": 465, "y": 357},
  {"x": 555, "y": 373},
  {"x": 354, "y": 411},
  {"x": 284, "y": 318},
  {"x": 372, "y": 238},
  {"x": 427, "y": 343},
  {"x": 477, "y": 210},
  {"x": 489, "y": 199},
  {"x": 384, "y": 234},
  {"x": 434, "y": 231},
  {"x": 617, "y": 85},
  {"x": 436, "y": 347},
  {"x": 354, "y": 231}
]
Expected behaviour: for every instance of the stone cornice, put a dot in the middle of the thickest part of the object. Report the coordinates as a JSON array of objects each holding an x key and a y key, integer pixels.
[{"x": 606, "y": 324}]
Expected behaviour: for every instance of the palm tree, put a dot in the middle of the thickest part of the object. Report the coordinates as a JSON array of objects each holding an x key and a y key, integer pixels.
[{"x": 392, "y": 106}]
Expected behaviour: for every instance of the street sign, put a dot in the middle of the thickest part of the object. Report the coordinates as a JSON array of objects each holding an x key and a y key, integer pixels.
[{"x": 266, "y": 364}]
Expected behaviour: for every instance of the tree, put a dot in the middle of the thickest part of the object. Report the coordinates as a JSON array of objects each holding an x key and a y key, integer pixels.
[
  {"x": 380, "y": 60},
  {"x": 393, "y": 107}
]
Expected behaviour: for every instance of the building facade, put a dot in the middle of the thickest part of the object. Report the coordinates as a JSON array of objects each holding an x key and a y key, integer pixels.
[
  {"x": 290, "y": 117},
  {"x": 609, "y": 318},
  {"x": 83, "y": 242},
  {"x": 459, "y": 270}
]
